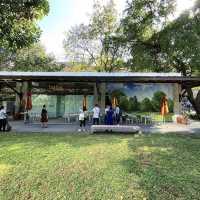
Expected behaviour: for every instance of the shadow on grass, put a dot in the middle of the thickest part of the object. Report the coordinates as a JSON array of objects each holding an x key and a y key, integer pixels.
[
  {"x": 48, "y": 139},
  {"x": 168, "y": 166}
]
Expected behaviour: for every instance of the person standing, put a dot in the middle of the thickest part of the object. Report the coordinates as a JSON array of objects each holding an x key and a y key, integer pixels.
[
  {"x": 110, "y": 116},
  {"x": 106, "y": 113},
  {"x": 86, "y": 116},
  {"x": 44, "y": 117},
  {"x": 3, "y": 119},
  {"x": 82, "y": 120},
  {"x": 117, "y": 114},
  {"x": 96, "y": 114}
]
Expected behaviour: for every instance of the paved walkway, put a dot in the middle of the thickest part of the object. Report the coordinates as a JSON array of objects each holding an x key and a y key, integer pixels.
[
  {"x": 192, "y": 128},
  {"x": 19, "y": 126}
]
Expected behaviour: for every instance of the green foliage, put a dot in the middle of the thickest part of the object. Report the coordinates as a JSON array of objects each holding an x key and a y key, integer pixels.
[
  {"x": 76, "y": 166},
  {"x": 157, "y": 99},
  {"x": 5, "y": 58},
  {"x": 34, "y": 58},
  {"x": 80, "y": 68},
  {"x": 146, "y": 105},
  {"x": 180, "y": 44},
  {"x": 142, "y": 21},
  {"x": 158, "y": 43},
  {"x": 91, "y": 44},
  {"x": 118, "y": 94},
  {"x": 134, "y": 104},
  {"x": 124, "y": 104},
  {"x": 171, "y": 105},
  {"x": 18, "y": 22}
]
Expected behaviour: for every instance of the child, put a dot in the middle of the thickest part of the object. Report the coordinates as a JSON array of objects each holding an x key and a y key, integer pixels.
[{"x": 82, "y": 120}]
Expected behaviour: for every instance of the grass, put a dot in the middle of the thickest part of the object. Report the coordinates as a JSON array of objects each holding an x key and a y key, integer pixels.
[
  {"x": 77, "y": 167},
  {"x": 156, "y": 117}
]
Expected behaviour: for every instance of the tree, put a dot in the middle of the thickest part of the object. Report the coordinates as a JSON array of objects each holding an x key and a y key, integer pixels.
[
  {"x": 142, "y": 21},
  {"x": 34, "y": 58},
  {"x": 157, "y": 100},
  {"x": 146, "y": 105},
  {"x": 92, "y": 43},
  {"x": 171, "y": 105},
  {"x": 5, "y": 59},
  {"x": 118, "y": 94},
  {"x": 79, "y": 68},
  {"x": 134, "y": 104},
  {"x": 18, "y": 22},
  {"x": 160, "y": 44},
  {"x": 124, "y": 104}
]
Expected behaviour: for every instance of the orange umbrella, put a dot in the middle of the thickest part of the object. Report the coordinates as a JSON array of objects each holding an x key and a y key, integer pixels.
[
  {"x": 85, "y": 102},
  {"x": 29, "y": 101},
  {"x": 114, "y": 102},
  {"x": 164, "y": 106}
]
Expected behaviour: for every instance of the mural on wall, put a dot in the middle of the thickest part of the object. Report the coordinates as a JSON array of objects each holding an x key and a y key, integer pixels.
[{"x": 133, "y": 97}]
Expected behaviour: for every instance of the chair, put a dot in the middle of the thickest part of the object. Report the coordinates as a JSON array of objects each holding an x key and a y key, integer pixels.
[
  {"x": 139, "y": 119},
  {"x": 66, "y": 117},
  {"x": 146, "y": 119},
  {"x": 134, "y": 119}
]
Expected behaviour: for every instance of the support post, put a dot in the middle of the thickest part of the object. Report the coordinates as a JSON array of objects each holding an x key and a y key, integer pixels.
[
  {"x": 103, "y": 96},
  {"x": 95, "y": 94},
  {"x": 25, "y": 87},
  {"x": 176, "y": 95},
  {"x": 17, "y": 98}
]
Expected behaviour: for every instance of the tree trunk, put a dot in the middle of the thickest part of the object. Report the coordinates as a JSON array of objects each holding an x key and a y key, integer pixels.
[{"x": 194, "y": 101}]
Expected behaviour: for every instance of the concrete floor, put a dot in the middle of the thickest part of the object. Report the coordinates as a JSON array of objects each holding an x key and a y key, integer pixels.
[
  {"x": 192, "y": 128},
  {"x": 20, "y": 127}
]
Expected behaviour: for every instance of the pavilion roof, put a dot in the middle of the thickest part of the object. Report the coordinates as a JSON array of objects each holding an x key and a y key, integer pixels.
[{"x": 99, "y": 77}]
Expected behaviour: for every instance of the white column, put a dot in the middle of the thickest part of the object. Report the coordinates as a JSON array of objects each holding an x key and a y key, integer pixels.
[
  {"x": 176, "y": 95},
  {"x": 17, "y": 98}
]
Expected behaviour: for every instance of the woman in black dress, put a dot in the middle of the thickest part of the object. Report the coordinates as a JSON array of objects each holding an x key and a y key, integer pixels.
[{"x": 44, "y": 117}]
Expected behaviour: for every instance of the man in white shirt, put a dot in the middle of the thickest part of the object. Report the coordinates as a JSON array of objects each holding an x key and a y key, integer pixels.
[
  {"x": 96, "y": 114},
  {"x": 2, "y": 119}
]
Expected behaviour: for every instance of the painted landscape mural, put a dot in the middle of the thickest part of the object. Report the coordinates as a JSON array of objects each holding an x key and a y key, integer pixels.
[{"x": 133, "y": 97}]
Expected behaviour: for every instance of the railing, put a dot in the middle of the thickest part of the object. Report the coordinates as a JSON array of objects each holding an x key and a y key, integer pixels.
[
  {"x": 137, "y": 119},
  {"x": 70, "y": 118}
]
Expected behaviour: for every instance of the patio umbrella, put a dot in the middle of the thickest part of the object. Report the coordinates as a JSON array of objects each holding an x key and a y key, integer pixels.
[
  {"x": 164, "y": 106},
  {"x": 114, "y": 102},
  {"x": 29, "y": 101}
]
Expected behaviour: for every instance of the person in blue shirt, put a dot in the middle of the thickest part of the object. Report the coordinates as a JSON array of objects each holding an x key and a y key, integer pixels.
[{"x": 110, "y": 114}]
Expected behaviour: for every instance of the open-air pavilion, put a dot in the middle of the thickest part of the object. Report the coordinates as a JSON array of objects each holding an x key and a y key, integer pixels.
[{"x": 64, "y": 93}]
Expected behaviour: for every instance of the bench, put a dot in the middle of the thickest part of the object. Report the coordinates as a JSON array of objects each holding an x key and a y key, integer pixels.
[{"x": 114, "y": 129}]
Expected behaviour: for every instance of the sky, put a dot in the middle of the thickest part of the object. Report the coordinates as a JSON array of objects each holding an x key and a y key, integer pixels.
[{"x": 66, "y": 13}]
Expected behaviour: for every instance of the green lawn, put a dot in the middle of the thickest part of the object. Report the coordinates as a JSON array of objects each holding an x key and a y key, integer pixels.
[{"x": 59, "y": 166}]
